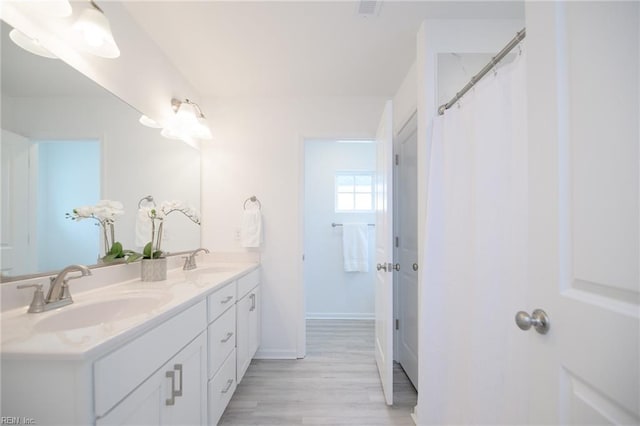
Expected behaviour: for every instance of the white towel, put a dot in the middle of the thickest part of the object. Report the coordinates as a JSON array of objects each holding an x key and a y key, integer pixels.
[
  {"x": 355, "y": 245},
  {"x": 251, "y": 228},
  {"x": 143, "y": 226}
]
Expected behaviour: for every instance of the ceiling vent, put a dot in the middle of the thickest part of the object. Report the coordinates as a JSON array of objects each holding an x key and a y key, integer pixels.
[{"x": 367, "y": 8}]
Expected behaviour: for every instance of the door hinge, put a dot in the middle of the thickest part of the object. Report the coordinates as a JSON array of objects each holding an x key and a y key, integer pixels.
[
  {"x": 397, "y": 242},
  {"x": 397, "y": 159},
  {"x": 397, "y": 324}
]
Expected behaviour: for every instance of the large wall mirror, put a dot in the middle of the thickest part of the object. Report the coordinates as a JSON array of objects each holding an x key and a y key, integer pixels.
[{"x": 67, "y": 142}]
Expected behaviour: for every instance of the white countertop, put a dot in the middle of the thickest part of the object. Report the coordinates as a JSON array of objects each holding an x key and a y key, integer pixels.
[{"x": 23, "y": 336}]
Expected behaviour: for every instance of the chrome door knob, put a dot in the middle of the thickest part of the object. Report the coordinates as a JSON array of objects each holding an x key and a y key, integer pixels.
[
  {"x": 396, "y": 267},
  {"x": 382, "y": 266},
  {"x": 415, "y": 266},
  {"x": 538, "y": 319}
]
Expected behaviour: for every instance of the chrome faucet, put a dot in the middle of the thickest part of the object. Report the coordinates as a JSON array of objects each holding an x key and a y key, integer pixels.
[
  {"x": 58, "y": 294},
  {"x": 190, "y": 261}
]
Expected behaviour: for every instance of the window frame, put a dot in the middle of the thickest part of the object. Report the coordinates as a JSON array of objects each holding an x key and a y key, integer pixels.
[{"x": 354, "y": 173}]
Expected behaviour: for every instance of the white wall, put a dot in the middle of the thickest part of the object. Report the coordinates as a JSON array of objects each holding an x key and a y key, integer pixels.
[
  {"x": 257, "y": 150},
  {"x": 330, "y": 292}
]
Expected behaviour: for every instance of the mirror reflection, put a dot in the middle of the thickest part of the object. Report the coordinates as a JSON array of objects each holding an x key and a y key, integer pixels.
[{"x": 67, "y": 143}]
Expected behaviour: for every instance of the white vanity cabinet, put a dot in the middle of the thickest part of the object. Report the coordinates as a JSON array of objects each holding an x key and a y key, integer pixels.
[
  {"x": 173, "y": 395},
  {"x": 159, "y": 378},
  {"x": 181, "y": 367},
  {"x": 248, "y": 321}
]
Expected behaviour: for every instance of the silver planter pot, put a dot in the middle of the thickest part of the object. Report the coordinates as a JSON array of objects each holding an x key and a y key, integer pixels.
[{"x": 154, "y": 269}]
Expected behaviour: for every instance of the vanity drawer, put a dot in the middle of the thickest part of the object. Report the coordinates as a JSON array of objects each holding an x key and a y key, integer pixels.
[
  {"x": 221, "y": 300},
  {"x": 248, "y": 282},
  {"x": 222, "y": 339},
  {"x": 221, "y": 388},
  {"x": 118, "y": 373}
]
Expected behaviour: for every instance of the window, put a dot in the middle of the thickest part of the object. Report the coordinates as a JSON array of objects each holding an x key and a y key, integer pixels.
[{"x": 354, "y": 191}]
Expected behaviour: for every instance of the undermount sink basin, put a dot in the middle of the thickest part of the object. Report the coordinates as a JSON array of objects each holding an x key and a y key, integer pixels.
[{"x": 87, "y": 314}]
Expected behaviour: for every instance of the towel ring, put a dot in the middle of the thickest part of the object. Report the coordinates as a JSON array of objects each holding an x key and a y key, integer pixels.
[
  {"x": 253, "y": 199},
  {"x": 148, "y": 198}
]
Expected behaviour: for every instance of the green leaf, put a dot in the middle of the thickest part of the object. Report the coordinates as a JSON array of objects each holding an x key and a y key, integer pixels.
[
  {"x": 116, "y": 249},
  {"x": 133, "y": 257},
  {"x": 109, "y": 258},
  {"x": 147, "y": 250}
]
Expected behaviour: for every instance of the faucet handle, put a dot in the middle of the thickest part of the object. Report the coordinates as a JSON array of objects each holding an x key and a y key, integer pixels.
[{"x": 37, "y": 304}]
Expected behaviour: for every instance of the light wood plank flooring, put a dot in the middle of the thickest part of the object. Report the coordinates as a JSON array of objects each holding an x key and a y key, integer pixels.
[{"x": 336, "y": 384}]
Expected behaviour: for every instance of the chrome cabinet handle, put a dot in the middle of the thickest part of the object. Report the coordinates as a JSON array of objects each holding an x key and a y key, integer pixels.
[
  {"x": 172, "y": 376},
  {"x": 415, "y": 266},
  {"x": 178, "y": 367},
  {"x": 253, "y": 302},
  {"x": 226, "y": 339},
  {"x": 226, "y": 389},
  {"x": 227, "y": 300},
  {"x": 538, "y": 319},
  {"x": 396, "y": 267}
]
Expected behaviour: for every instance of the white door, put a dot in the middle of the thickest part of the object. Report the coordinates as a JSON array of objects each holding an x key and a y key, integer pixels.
[
  {"x": 384, "y": 253},
  {"x": 15, "y": 254},
  {"x": 584, "y": 214},
  {"x": 406, "y": 230}
]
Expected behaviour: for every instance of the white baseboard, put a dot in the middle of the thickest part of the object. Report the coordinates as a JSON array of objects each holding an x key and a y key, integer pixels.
[
  {"x": 275, "y": 354},
  {"x": 339, "y": 315}
]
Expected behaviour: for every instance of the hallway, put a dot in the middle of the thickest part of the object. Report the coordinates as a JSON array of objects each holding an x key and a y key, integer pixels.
[{"x": 336, "y": 384}]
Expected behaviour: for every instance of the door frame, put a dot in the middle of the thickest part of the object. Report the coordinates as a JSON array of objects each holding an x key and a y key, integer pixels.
[{"x": 301, "y": 339}]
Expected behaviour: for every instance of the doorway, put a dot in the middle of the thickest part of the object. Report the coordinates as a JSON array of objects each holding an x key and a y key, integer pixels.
[{"x": 338, "y": 191}]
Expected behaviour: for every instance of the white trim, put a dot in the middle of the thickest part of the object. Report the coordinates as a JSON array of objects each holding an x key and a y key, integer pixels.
[
  {"x": 341, "y": 315},
  {"x": 275, "y": 354}
]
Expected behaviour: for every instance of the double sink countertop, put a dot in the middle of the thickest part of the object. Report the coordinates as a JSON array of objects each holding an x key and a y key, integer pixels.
[{"x": 102, "y": 319}]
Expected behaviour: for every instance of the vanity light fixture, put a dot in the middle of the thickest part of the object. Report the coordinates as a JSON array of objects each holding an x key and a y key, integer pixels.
[
  {"x": 57, "y": 8},
  {"x": 94, "y": 27},
  {"x": 146, "y": 121},
  {"x": 29, "y": 44},
  {"x": 188, "y": 122}
]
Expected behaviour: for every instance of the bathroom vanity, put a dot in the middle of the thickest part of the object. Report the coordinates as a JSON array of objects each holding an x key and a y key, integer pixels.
[{"x": 130, "y": 353}]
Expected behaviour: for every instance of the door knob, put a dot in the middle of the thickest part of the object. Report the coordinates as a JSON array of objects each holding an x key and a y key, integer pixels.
[
  {"x": 382, "y": 266},
  {"x": 538, "y": 319}
]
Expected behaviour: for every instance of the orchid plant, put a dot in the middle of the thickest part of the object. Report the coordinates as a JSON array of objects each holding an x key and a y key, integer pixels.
[
  {"x": 152, "y": 249},
  {"x": 105, "y": 213}
]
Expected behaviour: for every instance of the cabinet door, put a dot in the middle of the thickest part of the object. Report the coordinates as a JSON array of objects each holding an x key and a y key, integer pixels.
[
  {"x": 174, "y": 395},
  {"x": 243, "y": 327},
  {"x": 185, "y": 389},
  {"x": 248, "y": 330},
  {"x": 254, "y": 323}
]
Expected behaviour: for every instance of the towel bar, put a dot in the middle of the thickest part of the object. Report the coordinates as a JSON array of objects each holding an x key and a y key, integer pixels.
[
  {"x": 333, "y": 224},
  {"x": 253, "y": 199}
]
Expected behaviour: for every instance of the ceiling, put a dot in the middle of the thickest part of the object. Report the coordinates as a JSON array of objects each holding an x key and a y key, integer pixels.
[{"x": 297, "y": 48}]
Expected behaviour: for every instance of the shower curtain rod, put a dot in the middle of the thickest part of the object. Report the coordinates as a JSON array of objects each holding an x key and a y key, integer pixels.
[{"x": 476, "y": 78}]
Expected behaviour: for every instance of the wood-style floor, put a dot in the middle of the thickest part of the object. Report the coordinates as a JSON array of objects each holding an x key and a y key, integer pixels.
[{"x": 336, "y": 384}]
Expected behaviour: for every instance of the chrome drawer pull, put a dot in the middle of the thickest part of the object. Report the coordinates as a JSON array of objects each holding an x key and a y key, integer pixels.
[
  {"x": 226, "y": 339},
  {"x": 227, "y": 300},
  {"x": 253, "y": 302},
  {"x": 178, "y": 367},
  {"x": 226, "y": 389},
  {"x": 172, "y": 400}
]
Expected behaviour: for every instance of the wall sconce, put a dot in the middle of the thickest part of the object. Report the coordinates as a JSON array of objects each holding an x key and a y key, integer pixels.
[
  {"x": 94, "y": 27},
  {"x": 31, "y": 45},
  {"x": 188, "y": 122}
]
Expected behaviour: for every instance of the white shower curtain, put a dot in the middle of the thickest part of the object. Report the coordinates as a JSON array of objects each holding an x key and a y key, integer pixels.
[{"x": 475, "y": 255}]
